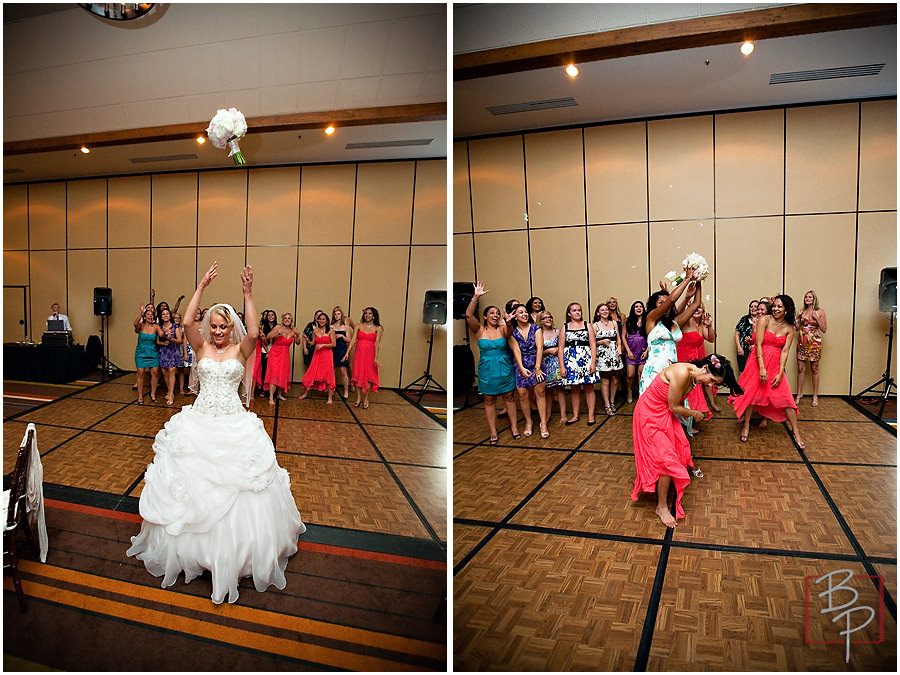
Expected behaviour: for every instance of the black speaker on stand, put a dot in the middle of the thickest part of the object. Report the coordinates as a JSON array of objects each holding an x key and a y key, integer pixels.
[
  {"x": 103, "y": 309},
  {"x": 434, "y": 313},
  {"x": 887, "y": 302}
]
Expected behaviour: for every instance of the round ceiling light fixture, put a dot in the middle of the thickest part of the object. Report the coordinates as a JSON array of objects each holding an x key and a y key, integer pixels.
[
  {"x": 747, "y": 48},
  {"x": 119, "y": 11},
  {"x": 572, "y": 70}
]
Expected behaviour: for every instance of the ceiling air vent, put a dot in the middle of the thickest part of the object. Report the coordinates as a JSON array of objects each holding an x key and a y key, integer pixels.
[
  {"x": 529, "y": 106},
  {"x": 162, "y": 158},
  {"x": 825, "y": 74},
  {"x": 388, "y": 144},
  {"x": 7, "y": 172}
]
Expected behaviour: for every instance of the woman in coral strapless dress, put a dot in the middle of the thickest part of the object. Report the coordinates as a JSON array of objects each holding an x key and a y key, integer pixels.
[
  {"x": 697, "y": 331},
  {"x": 364, "y": 346},
  {"x": 320, "y": 373},
  {"x": 766, "y": 389},
  {"x": 278, "y": 363}
]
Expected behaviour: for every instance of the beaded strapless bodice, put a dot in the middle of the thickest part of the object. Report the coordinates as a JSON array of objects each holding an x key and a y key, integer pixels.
[{"x": 219, "y": 382}]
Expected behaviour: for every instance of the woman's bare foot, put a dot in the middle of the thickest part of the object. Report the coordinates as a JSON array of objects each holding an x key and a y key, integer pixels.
[
  {"x": 665, "y": 516},
  {"x": 300, "y": 397},
  {"x": 763, "y": 423},
  {"x": 282, "y": 397},
  {"x": 271, "y": 401},
  {"x": 815, "y": 401}
]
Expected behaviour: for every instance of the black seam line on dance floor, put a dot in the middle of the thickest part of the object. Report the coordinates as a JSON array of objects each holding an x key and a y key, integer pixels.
[
  {"x": 46, "y": 403},
  {"x": 643, "y": 651},
  {"x": 674, "y": 543},
  {"x": 402, "y": 393},
  {"x": 852, "y": 400},
  {"x": 183, "y": 635},
  {"x": 415, "y": 507},
  {"x": 497, "y": 527},
  {"x": 80, "y": 431},
  {"x": 357, "y": 459},
  {"x": 888, "y": 599},
  {"x": 375, "y": 542}
]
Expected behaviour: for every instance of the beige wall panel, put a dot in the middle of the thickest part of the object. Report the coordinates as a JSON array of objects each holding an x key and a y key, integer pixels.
[
  {"x": 174, "y": 212},
  {"x": 324, "y": 283},
  {"x": 615, "y": 164},
  {"x": 384, "y": 193},
  {"x": 497, "y": 172},
  {"x": 495, "y": 253},
  {"x": 48, "y": 285},
  {"x": 327, "y": 195},
  {"x": 87, "y": 269},
  {"x": 811, "y": 247},
  {"x": 129, "y": 272},
  {"x": 129, "y": 212},
  {"x": 15, "y": 217},
  {"x": 86, "y": 214},
  {"x": 173, "y": 273},
  {"x": 554, "y": 175},
  {"x": 275, "y": 279},
  {"x": 463, "y": 272},
  {"x": 427, "y": 272},
  {"x": 462, "y": 204},
  {"x": 748, "y": 266},
  {"x": 15, "y": 268},
  {"x": 680, "y": 168},
  {"x": 430, "y": 206},
  {"x": 226, "y": 287},
  {"x": 559, "y": 267},
  {"x": 273, "y": 203},
  {"x": 47, "y": 216},
  {"x": 222, "y": 208},
  {"x": 750, "y": 152},
  {"x": 876, "y": 250},
  {"x": 821, "y": 151},
  {"x": 388, "y": 294},
  {"x": 878, "y": 156},
  {"x": 618, "y": 264}
]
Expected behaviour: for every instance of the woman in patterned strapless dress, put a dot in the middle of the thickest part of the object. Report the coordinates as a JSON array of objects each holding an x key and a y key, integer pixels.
[
  {"x": 766, "y": 388},
  {"x": 495, "y": 367},
  {"x": 550, "y": 366},
  {"x": 527, "y": 343},
  {"x": 578, "y": 361},
  {"x": 609, "y": 355},
  {"x": 811, "y": 323},
  {"x": 169, "y": 352},
  {"x": 214, "y": 497}
]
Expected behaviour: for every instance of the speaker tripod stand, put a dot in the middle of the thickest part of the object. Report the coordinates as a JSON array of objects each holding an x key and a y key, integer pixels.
[
  {"x": 107, "y": 367},
  {"x": 426, "y": 380},
  {"x": 886, "y": 379}
]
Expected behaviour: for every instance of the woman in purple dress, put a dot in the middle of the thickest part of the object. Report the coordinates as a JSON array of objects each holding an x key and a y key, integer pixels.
[
  {"x": 170, "y": 351},
  {"x": 635, "y": 345},
  {"x": 527, "y": 344}
]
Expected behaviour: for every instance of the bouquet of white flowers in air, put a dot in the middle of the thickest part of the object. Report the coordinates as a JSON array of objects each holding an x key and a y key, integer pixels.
[
  {"x": 227, "y": 128},
  {"x": 694, "y": 261}
]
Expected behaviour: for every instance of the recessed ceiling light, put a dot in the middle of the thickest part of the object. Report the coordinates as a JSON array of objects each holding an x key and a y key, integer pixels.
[
  {"x": 85, "y": 149},
  {"x": 329, "y": 129},
  {"x": 746, "y": 48},
  {"x": 572, "y": 70},
  {"x": 201, "y": 140}
]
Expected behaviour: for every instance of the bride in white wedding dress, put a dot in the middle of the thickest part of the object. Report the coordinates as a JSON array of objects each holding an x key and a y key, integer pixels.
[{"x": 214, "y": 497}]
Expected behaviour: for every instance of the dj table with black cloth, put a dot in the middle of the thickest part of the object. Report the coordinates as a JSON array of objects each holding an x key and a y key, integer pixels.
[{"x": 43, "y": 363}]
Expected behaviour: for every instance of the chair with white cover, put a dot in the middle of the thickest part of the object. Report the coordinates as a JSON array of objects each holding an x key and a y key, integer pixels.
[{"x": 23, "y": 506}]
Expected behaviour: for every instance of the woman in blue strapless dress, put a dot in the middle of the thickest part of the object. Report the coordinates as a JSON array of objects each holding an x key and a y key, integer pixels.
[{"x": 495, "y": 368}]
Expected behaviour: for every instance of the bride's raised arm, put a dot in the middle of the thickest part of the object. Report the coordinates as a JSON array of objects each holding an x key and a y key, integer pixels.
[
  {"x": 248, "y": 344},
  {"x": 191, "y": 329}
]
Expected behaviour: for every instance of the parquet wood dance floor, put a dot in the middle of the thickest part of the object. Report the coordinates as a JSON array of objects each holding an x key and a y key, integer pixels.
[
  {"x": 555, "y": 568},
  {"x": 371, "y": 485}
]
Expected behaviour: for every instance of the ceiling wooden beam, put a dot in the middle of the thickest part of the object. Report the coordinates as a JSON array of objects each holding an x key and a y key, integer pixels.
[
  {"x": 423, "y": 112},
  {"x": 662, "y": 37}
]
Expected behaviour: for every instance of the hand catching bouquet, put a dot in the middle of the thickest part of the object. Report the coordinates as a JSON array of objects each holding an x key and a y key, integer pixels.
[{"x": 227, "y": 128}]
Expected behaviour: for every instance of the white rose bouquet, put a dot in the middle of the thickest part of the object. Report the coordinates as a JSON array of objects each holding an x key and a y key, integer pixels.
[
  {"x": 694, "y": 261},
  {"x": 227, "y": 128}
]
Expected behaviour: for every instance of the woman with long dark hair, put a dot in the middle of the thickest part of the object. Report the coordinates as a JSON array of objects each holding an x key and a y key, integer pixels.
[
  {"x": 635, "y": 345},
  {"x": 527, "y": 344},
  {"x": 364, "y": 345},
  {"x": 743, "y": 334},
  {"x": 267, "y": 322},
  {"x": 766, "y": 388},
  {"x": 662, "y": 453}
]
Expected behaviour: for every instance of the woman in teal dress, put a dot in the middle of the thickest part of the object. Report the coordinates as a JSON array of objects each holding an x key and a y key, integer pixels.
[
  {"x": 146, "y": 354},
  {"x": 495, "y": 367}
]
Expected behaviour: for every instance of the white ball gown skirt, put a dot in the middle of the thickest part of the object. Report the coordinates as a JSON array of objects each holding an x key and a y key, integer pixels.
[{"x": 214, "y": 497}]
